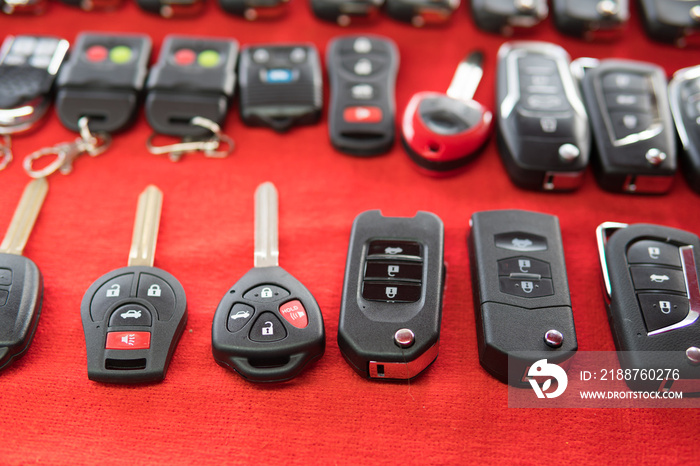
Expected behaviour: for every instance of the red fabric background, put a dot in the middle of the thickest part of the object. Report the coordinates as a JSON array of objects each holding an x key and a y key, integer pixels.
[{"x": 455, "y": 412}]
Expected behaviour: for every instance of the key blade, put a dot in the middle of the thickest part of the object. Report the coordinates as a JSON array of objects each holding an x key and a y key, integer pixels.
[
  {"x": 467, "y": 77},
  {"x": 266, "y": 226},
  {"x": 143, "y": 243},
  {"x": 25, "y": 215}
]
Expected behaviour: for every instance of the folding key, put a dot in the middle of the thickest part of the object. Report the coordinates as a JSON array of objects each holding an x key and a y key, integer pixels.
[
  {"x": 133, "y": 316},
  {"x": 267, "y": 327},
  {"x": 21, "y": 284}
]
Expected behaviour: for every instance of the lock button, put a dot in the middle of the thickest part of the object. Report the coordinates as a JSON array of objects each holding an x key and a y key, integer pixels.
[
  {"x": 267, "y": 328},
  {"x": 157, "y": 292},
  {"x": 266, "y": 293}
]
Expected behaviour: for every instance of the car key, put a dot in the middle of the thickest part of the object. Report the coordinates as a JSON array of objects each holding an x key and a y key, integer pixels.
[
  {"x": 521, "y": 293},
  {"x": 508, "y": 16},
  {"x": 672, "y": 21},
  {"x": 653, "y": 301},
  {"x": 21, "y": 284},
  {"x": 635, "y": 145},
  {"x": 280, "y": 85},
  {"x": 543, "y": 132},
  {"x": 391, "y": 307},
  {"x": 346, "y": 12},
  {"x": 421, "y": 12},
  {"x": 591, "y": 19},
  {"x": 267, "y": 327},
  {"x": 255, "y": 9},
  {"x": 684, "y": 99},
  {"x": 362, "y": 73},
  {"x": 133, "y": 316},
  {"x": 194, "y": 79},
  {"x": 172, "y": 8}
]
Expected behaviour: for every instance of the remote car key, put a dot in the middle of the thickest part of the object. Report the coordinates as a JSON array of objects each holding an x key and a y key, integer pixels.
[
  {"x": 591, "y": 19},
  {"x": 21, "y": 284},
  {"x": 521, "y": 293},
  {"x": 345, "y": 12},
  {"x": 684, "y": 98},
  {"x": 281, "y": 85},
  {"x": 267, "y": 327},
  {"x": 651, "y": 284},
  {"x": 543, "y": 132},
  {"x": 506, "y": 16},
  {"x": 133, "y": 316},
  {"x": 421, "y": 12},
  {"x": 392, "y": 295},
  {"x": 672, "y": 21},
  {"x": 362, "y": 72},
  {"x": 172, "y": 8},
  {"x": 635, "y": 142},
  {"x": 255, "y": 9},
  {"x": 102, "y": 80}
]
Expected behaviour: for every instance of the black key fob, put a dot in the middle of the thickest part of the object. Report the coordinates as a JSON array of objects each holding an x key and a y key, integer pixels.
[
  {"x": 635, "y": 143},
  {"x": 651, "y": 284},
  {"x": 362, "y": 72},
  {"x": 672, "y": 21},
  {"x": 507, "y": 16},
  {"x": 172, "y": 8},
  {"x": 391, "y": 307},
  {"x": 346, "y": 12},
  {"x": 255, "y": 9},
  {"x": 281, "y": 85},
  {"x": 684, "y": 98},
  {"x": 103, "y": 80},
  {"x": 591, "y": 19},
  {"x": 421, "y": 12},
  {"x": 542, "y": 126},
  {"x": 521, "y": 293}
]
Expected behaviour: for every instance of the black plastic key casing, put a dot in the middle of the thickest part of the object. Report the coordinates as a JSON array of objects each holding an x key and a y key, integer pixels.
[
  {"x": 585, "y": 18},
  {"x": 421, "y": 12},
  {"x": 502, "y": 16},
  {"x": 684, "y": 98},
  {"x": 671, "y": 21}
]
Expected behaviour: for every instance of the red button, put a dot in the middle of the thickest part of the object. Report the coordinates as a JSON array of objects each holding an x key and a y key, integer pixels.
[
  {"x": 97, "y": 53},
  {"x": 128, "y": 340},
  {"x": 185, "y": 57},
  {"x": 294, "y": 313},
  {"x": 363, "y": 114}
]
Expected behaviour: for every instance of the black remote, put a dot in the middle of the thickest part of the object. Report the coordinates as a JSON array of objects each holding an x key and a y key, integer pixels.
[
  {"x": 362, "y": 73},
  {"x": 651, "y": 283},
  {"x": 542, "y": 126},
  {"x": 421, "y": 12},
  {"x": 194, "y": 76},
  {"x": 591, "y": 19},
  {"x": 506, "y": 16},
  {"x": 172, "y": 8},
  {"x": 635, "y": 142},
  {"x": 255, "y": 9},
  {"x": 521, "y": 293},
  {"x": 280, "y": 85},
  {"x": 267, "y": 327},
  {"x": 672, "y": 21},
  {"x": 346, "y": 12},
  {"x": 684, "y": 98},
  {"x": 103, "y": 80},
  {"x": 133, "y": 316},
  {"x": 392, "y": 295}
]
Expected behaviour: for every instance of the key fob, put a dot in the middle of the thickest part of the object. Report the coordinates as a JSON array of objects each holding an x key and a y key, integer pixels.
[
  {"x": 346, "y": 12},
  {"x": 421, "y": 12},
  {"x": 28, "y": 67},
  {"x": 255, "y": 9},
  {"x": 672, "y": 21},
  {"x": 172, "y": 8},
  {"x": 684, "y": 98},
  {"x": 542, "y": 126},
  {"x": 591, "y": 19},
  {"x": 651, "y": 283},
  {"x": 635, "y": 145},
  {"x": 94, "y": 5},
  {"x": 193, "y": 77},
  {"x": 281, "y": 85},
  {"x": 507, "y": 16},
  {"x": 362, "y": 73},
  {"x": 392, "y": 295},
  {"x": 521, "y": 293},
  {"x": 103, "y": 80}
]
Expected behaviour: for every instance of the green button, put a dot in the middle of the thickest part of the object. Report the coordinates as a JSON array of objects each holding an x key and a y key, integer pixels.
[
  {"x": 120, "y": 54},
  {"x": 208, "y": 58}
]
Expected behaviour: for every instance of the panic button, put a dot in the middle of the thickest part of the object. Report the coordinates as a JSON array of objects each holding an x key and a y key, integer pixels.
[
  {"x": 294, "y": 313},
  {"x": 128, "y": 340},
  {"x": 362, "y": 114}
]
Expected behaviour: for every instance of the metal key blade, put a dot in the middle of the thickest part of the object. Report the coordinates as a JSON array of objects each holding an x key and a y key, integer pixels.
[
  {"x": 266, "y": 230},
  {"x": 467, "y": 77},
  {"x": 143, "y": 243},
  {"x": 24, "y": 217}
]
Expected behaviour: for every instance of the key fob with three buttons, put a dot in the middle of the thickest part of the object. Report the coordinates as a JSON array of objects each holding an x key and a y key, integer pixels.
[
  {"x": 651, "y": 283},
  {"x": 521, "y": 293},
  {"x": 391, "y": 307},
  {"x": 684, "y": 98}
]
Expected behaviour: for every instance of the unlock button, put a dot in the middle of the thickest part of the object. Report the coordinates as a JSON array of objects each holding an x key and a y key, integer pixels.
[{"x": 267, "y": 328}]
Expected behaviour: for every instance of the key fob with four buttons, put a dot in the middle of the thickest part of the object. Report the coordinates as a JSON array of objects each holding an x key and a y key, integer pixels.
[
  {"x": 362, "y": 72},
  {"x": 346, "y": 12},
  {"x": 521, "y": 293},
  {"x": 281, "y": 85},
  {"x": 591, "y": 19},
  {"x": 542, "y": 126},
  {"x": 635, "y": 142},
  {"x": 672, "y": 21},
  {"x": 684, "y": 98},
  {"x": 505, "y": 16},
  {"x": 651, "y": 284},
  {"x": 421, "y": 12},
  {"x": 391, "y": 307},
  {"x": 103, "y": 80}
]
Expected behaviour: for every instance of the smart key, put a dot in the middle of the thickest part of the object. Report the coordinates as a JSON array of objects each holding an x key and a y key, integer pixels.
[
  {"x": 21, "y": 284},
  {"x": 267, "y": 327},
  {"x": 133, "y": 316},
  {"x": 684, "y": 98},
  {"x": 521, "y": 293}
]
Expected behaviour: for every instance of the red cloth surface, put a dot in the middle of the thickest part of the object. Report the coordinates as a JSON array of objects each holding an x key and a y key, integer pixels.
[{"x": 454, "y": 413}]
